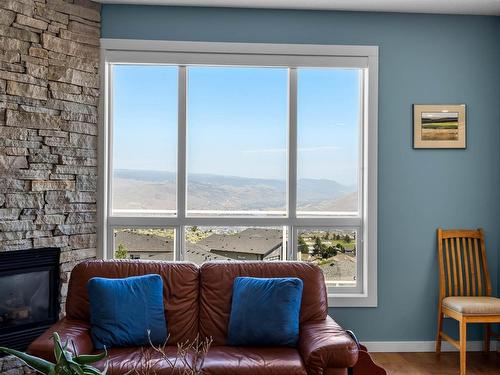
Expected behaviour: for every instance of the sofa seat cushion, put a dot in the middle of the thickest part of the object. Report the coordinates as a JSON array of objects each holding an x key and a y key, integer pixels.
[
  {"x": 229, "y": 360},
  {"x": 473, "y": 305},
  {"x": 139, "y": 360},
  {"x": 220, "y": 360}
]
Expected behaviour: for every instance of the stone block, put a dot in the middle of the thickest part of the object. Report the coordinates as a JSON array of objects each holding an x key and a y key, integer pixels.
[
  {"x": 49, "y": 14},
  {"x": 16, "y": 225},
  {"x": 7, "y": 17},
  {"x": 52, "y": 185},
  {"x": 38, "y": 233},
  {"x": 27, "y": 90},
  {"x": 80, "y": 241},
  {"x": 69, "y": 160},
  {"x": 77, "y": 228},
  {"x": 82, "y": 28},
  {"x": 18, "y": 77},
  {"x": 76, "y": 10},
  {"x": 9, "y": 185},
  {"x": 80, "y": 117},
  {"x": 76, "y": 152},
  {"x": 24, "y": 200},
  {"x": 10, "y": 56},
  {"x": 72, "y": 76},
  {"x": 86, "y": 183},
  {"x": 11, "y": 236},
  {"x": 77, "y": 98},
  {"x": 12, "y": 44},
  {"x": 13, "y": 133},
  {"x": 57, "y": 176},
  {"x": 19, "y": 34},
  {"x": 80, "y": 127},
  {"x": 74, "y": 169},
  {"x": 53, "y": 133},
  {"x": 11, "y": 246},
  {"x": 54, "y": 197},
  {"x": 70, "y": 207},
  {"x": 81, "y": 254},
  {"x": 55, "y": 241},
  {"x": 64, "y": 88},
  {"x": 17, "y": 7},
  {"x": 72, "y": 107},
  {"x": 69, "y": 47},
  {"x": 9, "y": 213},
  {"x": 38, "y": 71},
  {"x": 9, "y": 163},
  {"x": 32, "y": 174},
  {"x": 50, "y": 219},
  {"x": 43, "y": 157},
  {"x": 32, "y": 120},
  {"x": 80, "y": 218},
  {"x": 31, "y": 22},
  {"x": 79, "y": 63},
  {"x": 83, "y": 141},
  {"x": 38, "y": 52},
  {"x": 80, "y": 38}
]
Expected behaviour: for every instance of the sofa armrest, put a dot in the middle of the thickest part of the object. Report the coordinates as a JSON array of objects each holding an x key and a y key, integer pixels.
[
  {"x": 74, "y": 331},
  {"x": 324, "y": 344}
]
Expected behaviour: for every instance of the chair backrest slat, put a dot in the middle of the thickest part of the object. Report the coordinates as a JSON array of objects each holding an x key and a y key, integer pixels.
[
  {"x": 459, "y": 266},
  {"x": 478, "y": 268},
  {"x": 472, "y": 268},
  {"x": 454, "y": 267},
  {"x": 463, "y": 269},
  {"x": 447, "y": 265},
  {"x": 466, "y": 266}
]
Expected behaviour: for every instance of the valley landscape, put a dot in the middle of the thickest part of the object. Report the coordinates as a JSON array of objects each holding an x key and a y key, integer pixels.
[{"x": 156, "y": 190}]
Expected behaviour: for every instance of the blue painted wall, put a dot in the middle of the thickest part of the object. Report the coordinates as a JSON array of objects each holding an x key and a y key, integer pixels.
[{"x": 423, "y": 59}]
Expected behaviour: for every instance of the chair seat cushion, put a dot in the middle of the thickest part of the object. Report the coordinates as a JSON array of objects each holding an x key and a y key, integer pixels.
[{"x": 473, "y": 305}]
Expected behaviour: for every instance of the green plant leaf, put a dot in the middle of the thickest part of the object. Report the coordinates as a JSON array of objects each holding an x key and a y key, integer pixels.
[
  {"x": 38, "y": 364},
  {"x": 89, "y": 370},
  {"x": 86, "y": 359}
]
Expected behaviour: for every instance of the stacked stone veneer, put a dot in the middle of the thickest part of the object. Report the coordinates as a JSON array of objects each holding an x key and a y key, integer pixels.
[{"x": 49, "y": 93}]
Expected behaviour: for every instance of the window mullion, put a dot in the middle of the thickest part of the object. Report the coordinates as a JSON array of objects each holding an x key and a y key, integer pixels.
[
  {"x": 181, "y": 162},
  {"x": 292, "y": 161}
]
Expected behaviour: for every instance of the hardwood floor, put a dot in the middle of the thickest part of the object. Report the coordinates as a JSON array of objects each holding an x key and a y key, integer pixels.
[{"x": 432, "y": 364}]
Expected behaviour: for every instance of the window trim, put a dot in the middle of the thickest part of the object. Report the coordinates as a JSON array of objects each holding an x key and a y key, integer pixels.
[{"x": 261, "y": 54}]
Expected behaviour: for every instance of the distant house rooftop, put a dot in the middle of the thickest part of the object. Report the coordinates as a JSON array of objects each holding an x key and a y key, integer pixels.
[
  {"x": 250, "y": 241},
  {"x": 154, "y": 247}
]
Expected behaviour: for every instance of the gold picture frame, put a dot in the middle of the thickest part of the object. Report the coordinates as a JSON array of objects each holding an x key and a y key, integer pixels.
[{"x": 439, "y": 126}]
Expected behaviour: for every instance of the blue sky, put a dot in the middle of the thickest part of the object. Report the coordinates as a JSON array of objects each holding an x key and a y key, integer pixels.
[{"x": 237, "y": 121}]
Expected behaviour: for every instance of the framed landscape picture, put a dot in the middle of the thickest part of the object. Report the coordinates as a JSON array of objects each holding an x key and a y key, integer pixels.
[{"x": 439, "y": 126}]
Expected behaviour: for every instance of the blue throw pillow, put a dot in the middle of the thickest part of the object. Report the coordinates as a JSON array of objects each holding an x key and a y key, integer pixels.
[
  {"x": 265, "y": 312},
  {"x": 123, "y": 310}
]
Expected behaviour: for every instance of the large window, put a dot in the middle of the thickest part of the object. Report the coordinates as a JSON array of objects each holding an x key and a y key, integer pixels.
[{"x": 243, "y": 152}]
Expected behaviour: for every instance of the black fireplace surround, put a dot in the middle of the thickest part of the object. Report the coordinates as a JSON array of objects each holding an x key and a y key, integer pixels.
[{"x": 29, "y": 295}]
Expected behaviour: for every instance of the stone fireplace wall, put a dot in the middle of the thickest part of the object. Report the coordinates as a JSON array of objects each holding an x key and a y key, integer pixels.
[{"x": 49, "y": 93}]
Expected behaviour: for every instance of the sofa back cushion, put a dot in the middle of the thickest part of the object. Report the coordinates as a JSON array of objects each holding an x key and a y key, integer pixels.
[
  {"x": 216, "y": 288},
  {"x": 180, "y": 291}
]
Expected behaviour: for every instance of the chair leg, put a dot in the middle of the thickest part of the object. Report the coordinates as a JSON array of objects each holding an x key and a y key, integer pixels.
[
  {"x": 439, "y": 329},
  {"x": 463, "y": 346},
  {"x": 487, "y": 338}
]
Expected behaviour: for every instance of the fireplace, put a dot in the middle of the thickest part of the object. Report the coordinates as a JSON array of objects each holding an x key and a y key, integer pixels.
[{"x": 29, "y": 290}]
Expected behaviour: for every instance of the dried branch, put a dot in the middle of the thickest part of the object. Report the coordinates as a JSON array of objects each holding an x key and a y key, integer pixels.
[{"x": 189, "y": 358}]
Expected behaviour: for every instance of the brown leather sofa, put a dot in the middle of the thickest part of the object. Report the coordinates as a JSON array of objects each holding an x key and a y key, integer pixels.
[{"x": 197, "y": 301}]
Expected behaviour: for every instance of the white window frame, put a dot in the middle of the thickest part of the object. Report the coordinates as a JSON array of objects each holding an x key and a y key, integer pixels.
[{"x": 292, "y": 56}]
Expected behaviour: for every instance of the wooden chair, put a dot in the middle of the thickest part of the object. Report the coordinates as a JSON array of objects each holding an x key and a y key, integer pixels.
[{"x": 464, "y": 287}]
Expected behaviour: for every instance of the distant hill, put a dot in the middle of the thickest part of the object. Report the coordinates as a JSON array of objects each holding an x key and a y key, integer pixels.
[{"x": 138, "y": 189}]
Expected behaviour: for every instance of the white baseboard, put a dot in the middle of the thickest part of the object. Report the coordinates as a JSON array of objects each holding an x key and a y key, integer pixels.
[{"x": 423, "y": 346}]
